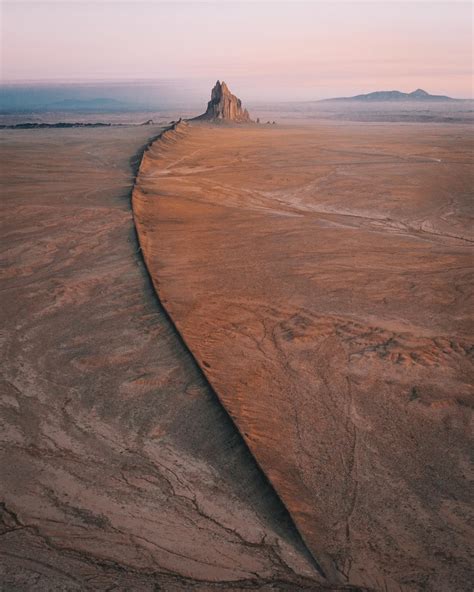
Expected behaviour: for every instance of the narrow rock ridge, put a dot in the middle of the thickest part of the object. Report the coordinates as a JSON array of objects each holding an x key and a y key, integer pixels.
[
  {"x": 224, "y": 106},
  {"x": 124, "y": 472},
  {"x": 171, "y": 135}
]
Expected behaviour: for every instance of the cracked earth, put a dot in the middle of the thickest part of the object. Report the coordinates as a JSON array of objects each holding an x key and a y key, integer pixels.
[{"x": 120, "y": 470}]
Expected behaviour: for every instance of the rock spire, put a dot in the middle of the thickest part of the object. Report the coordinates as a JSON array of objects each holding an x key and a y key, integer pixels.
[{"x": 224, "y": 106}]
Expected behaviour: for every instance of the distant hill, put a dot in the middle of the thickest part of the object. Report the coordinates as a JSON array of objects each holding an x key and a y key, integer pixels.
[{"x": 396, "y": 95}]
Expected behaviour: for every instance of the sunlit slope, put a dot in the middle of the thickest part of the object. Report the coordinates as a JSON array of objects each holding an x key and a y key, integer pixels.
[{"x": 320, "y": 277}]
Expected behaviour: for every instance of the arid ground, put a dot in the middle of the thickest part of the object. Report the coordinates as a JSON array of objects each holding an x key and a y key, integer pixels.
[
  {"x": 120, "y": 470},
  {"x": 321, "y": 278}
]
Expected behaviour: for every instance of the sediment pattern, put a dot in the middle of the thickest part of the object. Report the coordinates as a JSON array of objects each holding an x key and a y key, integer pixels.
[
  {"x": 119, "y": 468},
  {"x": 320, "y": 277}
]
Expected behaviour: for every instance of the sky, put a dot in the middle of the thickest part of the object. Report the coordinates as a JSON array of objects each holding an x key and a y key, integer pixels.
[{"x": 265, "y": 50}]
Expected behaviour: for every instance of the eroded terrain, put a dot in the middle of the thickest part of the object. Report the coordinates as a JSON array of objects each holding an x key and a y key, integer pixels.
[
  {"x": 320, "y": 277},
  {"x": 119, "y": 468}
]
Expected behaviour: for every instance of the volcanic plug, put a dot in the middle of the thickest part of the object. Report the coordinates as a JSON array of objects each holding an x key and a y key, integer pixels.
[{"x": 224, "y": 106}]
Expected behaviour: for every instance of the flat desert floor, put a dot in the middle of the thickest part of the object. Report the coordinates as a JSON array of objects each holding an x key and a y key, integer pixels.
[
  {"x": 119, "y": 468},
  {"x": 321, "y": 278}
]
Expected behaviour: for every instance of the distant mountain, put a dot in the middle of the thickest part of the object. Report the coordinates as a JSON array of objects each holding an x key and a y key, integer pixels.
[{"x": 396, "y": 95}]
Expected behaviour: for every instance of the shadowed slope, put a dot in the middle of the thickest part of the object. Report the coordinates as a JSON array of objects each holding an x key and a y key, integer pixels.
[{"x": 320, "y": 277}]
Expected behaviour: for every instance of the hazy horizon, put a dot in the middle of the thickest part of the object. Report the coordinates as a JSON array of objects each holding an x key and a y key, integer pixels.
[{"x": 286, "y": 51}]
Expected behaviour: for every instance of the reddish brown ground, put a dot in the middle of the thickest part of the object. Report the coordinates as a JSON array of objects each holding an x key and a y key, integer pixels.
[
  {"x": 119, "y": 469},
  {"x": 320, "y": 277}
]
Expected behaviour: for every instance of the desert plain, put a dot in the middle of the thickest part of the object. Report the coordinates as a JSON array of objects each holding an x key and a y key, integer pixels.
[
  {"x": 120, "y": 470},
  {"x": 269, "y": 388}
]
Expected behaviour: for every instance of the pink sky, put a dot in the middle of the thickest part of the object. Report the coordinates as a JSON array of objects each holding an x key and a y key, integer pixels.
[{"x": 270, "y": 50}]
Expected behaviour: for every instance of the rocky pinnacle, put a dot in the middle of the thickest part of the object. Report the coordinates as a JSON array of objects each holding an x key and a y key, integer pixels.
[{"x": 224, "y": 106}]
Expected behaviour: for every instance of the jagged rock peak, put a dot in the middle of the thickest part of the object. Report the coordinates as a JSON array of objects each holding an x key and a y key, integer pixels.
[{"x": 224, "y": 106}]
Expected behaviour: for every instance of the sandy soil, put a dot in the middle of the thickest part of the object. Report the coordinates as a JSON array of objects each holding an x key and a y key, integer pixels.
[
  {"x": 119, "y": 468},
  {"x": 320, "y": 276}
]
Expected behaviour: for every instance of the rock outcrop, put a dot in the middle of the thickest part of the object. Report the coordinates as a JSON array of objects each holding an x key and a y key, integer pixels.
[{"x": 224, "y": 106}]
